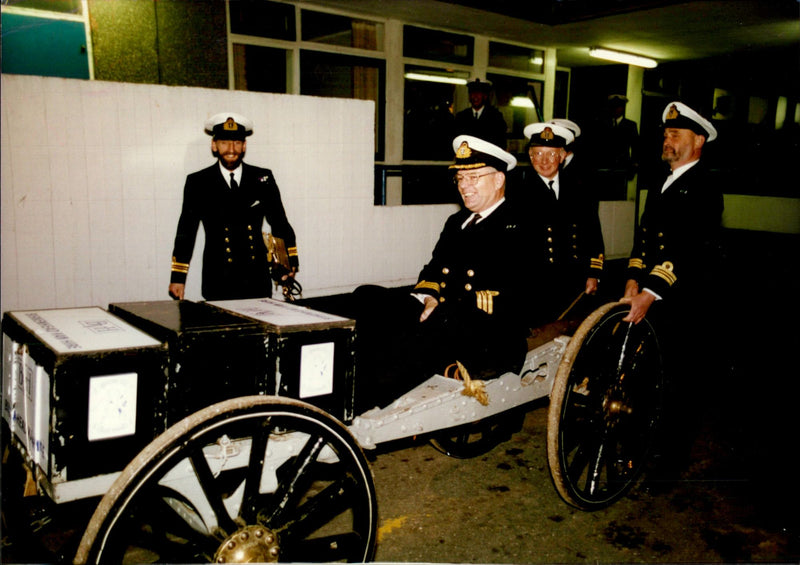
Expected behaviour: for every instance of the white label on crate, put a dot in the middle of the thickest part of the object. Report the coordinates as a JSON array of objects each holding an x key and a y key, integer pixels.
[
  {"x": 316, "y": 369},
  {"x": 73, "y": 330},
  {"x": 32, "y": 409},
  {"x": 11, "y": 367},
  {"x": 281, "y": 314},
  {"x": 112, "y": 406}
]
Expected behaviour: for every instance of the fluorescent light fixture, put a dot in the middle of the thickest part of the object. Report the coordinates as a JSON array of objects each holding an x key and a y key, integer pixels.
[
  {"x": 619, "y": 57},
  {"x": 522, "y": 102},
  {"x": 537, "y": 61},
  {"x": 436, "y": 78}
]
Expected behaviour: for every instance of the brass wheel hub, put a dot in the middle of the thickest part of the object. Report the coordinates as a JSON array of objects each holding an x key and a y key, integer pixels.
[{"x": 251, "y": 544}]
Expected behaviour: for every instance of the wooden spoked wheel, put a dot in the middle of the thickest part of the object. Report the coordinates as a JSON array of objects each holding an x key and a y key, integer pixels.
[
  {"x": 604, "y": 407},
  {"x": 251, "y": 479}
]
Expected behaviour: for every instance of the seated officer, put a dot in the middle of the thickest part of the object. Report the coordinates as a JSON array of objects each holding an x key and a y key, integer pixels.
[{"x": 466, "y": 303}]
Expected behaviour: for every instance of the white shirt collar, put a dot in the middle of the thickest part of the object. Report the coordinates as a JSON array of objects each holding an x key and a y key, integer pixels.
[
  {"x": 485, "y": 214},
  {"x": 556, "y": 184},
  {"x": 237, "y": 174},
  {"x": 678, "y": 172}
]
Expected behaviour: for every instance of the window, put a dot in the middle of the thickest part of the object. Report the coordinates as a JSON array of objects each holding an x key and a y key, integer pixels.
[
  {"x": 428, "y": 125},
  {"x": 263, "y": 18},
  {"x": 341, "y": 30},
  {"x": 421, "y": 43},
  {"x": 346, "y": 76},
  {"x": 515, "y": 58},
  {"x": 519, "y": 100},
  {"x": 260, "y": 69}
]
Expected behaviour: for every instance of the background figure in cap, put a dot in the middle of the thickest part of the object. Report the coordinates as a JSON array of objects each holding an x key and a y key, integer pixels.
[
  {"x": 673, "y": 269},
  {"x": 567, "y": 242},
  {"x": 466, "y": 305},
  {"x": 614, "y": 145},
  {"x": 231, "y": 199},
  {"x": 481, "y": 119}
]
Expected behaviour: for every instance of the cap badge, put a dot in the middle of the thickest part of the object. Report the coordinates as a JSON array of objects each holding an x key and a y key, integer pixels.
[
  {"x": 673, "y": 113},
  {"x": 230, "y": 125},
  {"x": 547, "y": 133},
  {"x": 464, "y": 151}
]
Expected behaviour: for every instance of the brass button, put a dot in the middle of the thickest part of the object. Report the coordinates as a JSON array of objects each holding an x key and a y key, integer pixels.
[
  {"x": 551, "y": 260},
  {"x": 441, "y": 299},
  {"x": 549, "y": 229},
  {"x": 442, "y": 284},
  {"x": 445, "y": 271},
  {"x": 249, "y": 228},
  {"x": 250, "y": 237},
  {"x": 230, "y": 260},
  {"x": 550, "y": 249},
  {"x": 661, "y": 248},
  {"x": 470, "y": 273},
  {"x": 227, "y": 250},
  {"x": 574, "y": 236},
  {"x": 227, "y": 240},
  {"x": 549, "y": 240},
  {"x": 467, "y": 287},
  {"x": 660, "y": 234}
]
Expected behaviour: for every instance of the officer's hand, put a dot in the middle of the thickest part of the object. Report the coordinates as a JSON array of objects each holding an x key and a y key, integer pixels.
[
  {"x": 631, "y": 288},
  {"x": 640, "y": 304},
  {"x": 176, "y": 291},
  {"x": 292, "y": 273},
  {"x": 430, "y": 304},
  {"x": 591, "y": 285}
]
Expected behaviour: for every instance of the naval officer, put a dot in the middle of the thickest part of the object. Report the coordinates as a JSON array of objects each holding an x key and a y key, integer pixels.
[
  {"x": 466, "y": 303},
  {"x": 231, "y": 199},
  {"x": 567, "y": 244}
]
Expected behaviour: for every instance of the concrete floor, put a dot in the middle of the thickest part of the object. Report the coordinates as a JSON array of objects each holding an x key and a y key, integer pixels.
[{"x": 503, "y": 508}]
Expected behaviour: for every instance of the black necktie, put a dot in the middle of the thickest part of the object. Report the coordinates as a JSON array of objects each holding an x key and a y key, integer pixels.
[
  {"x": 234, "y": 184},
  {"x": 473, "y": 221},
  {"x": 552, "y": 190}
]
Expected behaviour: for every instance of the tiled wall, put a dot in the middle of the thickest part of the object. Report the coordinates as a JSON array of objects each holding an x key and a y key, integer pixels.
[{"x": 92, "y": 182}]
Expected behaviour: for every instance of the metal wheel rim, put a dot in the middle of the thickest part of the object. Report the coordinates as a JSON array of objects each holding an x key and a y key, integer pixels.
[{"x": 166, "y": 452}]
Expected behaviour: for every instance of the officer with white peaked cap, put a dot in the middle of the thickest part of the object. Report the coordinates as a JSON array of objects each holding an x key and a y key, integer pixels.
[{"x": 231, "y": 199}]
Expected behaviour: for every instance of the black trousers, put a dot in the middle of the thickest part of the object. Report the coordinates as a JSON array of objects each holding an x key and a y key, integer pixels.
[{"x": 396, "y": 352}]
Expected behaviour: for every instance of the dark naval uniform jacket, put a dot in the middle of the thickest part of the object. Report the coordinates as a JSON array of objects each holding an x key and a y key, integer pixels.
[
  {"x": 490, "y": 126},
  {"x": 567, "y": 242},
  {"x": 479, "y": 276},
  {"x": 676, "y": 248},
  {"x": 235, "y": 263}
]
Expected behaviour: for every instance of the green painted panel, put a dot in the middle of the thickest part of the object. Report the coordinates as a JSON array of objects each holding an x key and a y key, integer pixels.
[{"x": 41, "y": 46}]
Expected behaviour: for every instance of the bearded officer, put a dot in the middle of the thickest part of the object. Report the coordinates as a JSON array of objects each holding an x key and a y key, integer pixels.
[{"x": 231, "y": 199}]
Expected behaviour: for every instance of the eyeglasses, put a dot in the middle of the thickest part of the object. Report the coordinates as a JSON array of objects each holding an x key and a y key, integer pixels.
[
  {"x": 470, "y": 179},
  {"x": 542, "y": 156}
]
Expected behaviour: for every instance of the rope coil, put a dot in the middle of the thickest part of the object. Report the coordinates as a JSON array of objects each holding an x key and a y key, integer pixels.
[{"x": 472, "y": 387}]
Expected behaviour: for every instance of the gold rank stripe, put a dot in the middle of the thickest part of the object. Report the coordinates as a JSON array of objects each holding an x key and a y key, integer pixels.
[
  {"x": 429, "y": 285},
  {"x": 179, "y": 267},
  {"x": 596, "y": 262},
  {"x": 665, "y": 272},
  {"x": 635, "y": 264},
  {"x": 485, "y": 299},
  {"x": 292, "y": 251}
]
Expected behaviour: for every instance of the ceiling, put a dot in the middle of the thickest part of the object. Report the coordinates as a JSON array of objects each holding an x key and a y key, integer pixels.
[{"x": 665, "y": 30}]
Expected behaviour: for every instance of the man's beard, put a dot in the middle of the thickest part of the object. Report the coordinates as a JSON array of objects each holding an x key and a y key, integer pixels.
[{"x": 230, "y": 165}]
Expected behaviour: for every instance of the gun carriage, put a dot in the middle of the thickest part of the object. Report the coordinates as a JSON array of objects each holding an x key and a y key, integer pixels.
[{"x": 274, "y": 469}]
